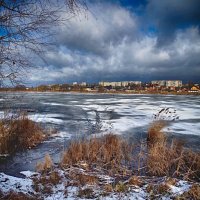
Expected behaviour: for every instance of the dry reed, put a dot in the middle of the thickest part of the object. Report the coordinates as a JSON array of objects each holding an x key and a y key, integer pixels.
[
  {"x": 19, "y": 133},
  {"x": 170, "y": 158},
  {"x": 114, "y": 155},
  {"x": 110, "y": 152}
]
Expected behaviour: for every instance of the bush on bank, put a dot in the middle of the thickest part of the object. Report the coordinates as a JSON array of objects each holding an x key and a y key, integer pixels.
[{"x": 18, "y": 132}]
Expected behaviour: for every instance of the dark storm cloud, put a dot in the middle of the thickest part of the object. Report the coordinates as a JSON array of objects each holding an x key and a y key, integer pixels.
[
  {"x": 170, "y": 15},
  {"x": 109, "y": 43}
]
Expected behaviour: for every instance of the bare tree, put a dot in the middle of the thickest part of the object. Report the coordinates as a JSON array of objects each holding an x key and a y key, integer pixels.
[{"x": 25, "y": 29}]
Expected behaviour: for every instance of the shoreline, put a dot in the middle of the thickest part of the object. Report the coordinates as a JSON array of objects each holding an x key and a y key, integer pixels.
[{"x": 110, "y": 92}]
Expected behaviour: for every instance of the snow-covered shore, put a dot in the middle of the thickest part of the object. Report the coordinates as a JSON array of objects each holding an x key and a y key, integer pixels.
[{"x": 66, "y": 189}]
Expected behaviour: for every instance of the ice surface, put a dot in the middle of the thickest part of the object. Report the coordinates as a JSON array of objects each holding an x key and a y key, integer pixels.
[
  {"x": 123, "y": 112},
  {"x": 133, "y": 110},
  {"x": 46, "y": 118}
]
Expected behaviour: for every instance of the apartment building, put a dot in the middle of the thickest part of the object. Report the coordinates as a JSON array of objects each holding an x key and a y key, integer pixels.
[
  {"x": 167, "y": 83},
  {"x": 174, "y": 83},
  {"x": 112, "y": 84},
  {"x": 119, "y": 84},
  {"x": 159, "y": 82}
]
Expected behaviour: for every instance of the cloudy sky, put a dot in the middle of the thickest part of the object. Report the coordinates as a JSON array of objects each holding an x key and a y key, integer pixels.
[{"x": 125, "y": 40}]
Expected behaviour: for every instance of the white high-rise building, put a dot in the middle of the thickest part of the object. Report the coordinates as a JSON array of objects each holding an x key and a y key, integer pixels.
[
  {"x": 173, "y": 83},
  {"x": 167, "y": 83}
]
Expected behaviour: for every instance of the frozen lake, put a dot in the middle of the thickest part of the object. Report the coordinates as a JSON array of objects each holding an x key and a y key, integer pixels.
[{"x": 77, "y": 115}]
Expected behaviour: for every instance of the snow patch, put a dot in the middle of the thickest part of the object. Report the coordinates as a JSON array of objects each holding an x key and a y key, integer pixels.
[
  {"x": 46, "y": 118},
  {"x": 11, "y": 183}
]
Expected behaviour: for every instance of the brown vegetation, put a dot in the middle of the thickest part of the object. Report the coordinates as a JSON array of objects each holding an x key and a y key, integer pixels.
[
  {"x": 45, "y": 182},
  {"x": 85, "y": 164},
  {"x": 47, "y": 178},
  {"x": 121, "y": 187},
  {"x": 170, "y": 158},
  {"x": 157, "y": 190},
  {"x": 87, "y": 193},
  {"x": 155, "y": 134},
  {"x": 110, "y": 152},
  {"x": 115, "y": 156},
  {"x": 17, "y": 196},
  {"x": 19, "y": 133},
  {"x": 45, "y": 166},
  {"x": 136, "y": 181},
  {"x": 84, "y": 179}
]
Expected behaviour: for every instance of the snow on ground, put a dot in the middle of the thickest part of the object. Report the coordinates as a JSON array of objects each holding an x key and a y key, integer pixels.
[
  {"x": 11, "y": 183},
  {"x": 180, "y": 188},
  {"x": 61, "y": 192},
  {"x": 28, "y": 174}
]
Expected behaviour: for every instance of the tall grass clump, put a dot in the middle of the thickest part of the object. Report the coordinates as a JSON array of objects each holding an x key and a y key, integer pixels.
[
  {"x": 110, "y": 152},
  {"x": 18, "y": 132},
  {"x": 159, "y": 157},
  {"x": 170, "y": 158}
]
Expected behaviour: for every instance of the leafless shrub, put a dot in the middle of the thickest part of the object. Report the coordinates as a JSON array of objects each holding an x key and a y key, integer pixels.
[{"x": 26, "y": 31}]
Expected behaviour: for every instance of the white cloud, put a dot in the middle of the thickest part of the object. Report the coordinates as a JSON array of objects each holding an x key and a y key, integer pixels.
[{"x": 106, "y": 45}]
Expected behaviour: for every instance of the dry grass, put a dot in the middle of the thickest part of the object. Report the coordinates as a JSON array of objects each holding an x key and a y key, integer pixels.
[
  {"x": 17, "y": 196},
  {"x": 136, "y": 181},
  {"x": 19, "y": 133},
  {"x": 110, "y": 152},
  {"x": 108, "y": 188},
  {"x": 155, "y": 134},
  {"x": 45, "y": 182},
  {"x": 170, "y": 159},
  {"x": 156, "y": 191},
  {"x": 115, "y": 156},
  {"x": 171, "y": 181},
  {"x": 121, "y": 187},
  {"x": 84, "y": 179},
  {"x": 48, "y": 176},
  {"x": 45, "y": 166},
  {"x": 86, "y": 193}
]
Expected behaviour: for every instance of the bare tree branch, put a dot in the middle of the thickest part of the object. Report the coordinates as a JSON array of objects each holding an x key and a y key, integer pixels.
[{"x": 26, "y": 28}]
